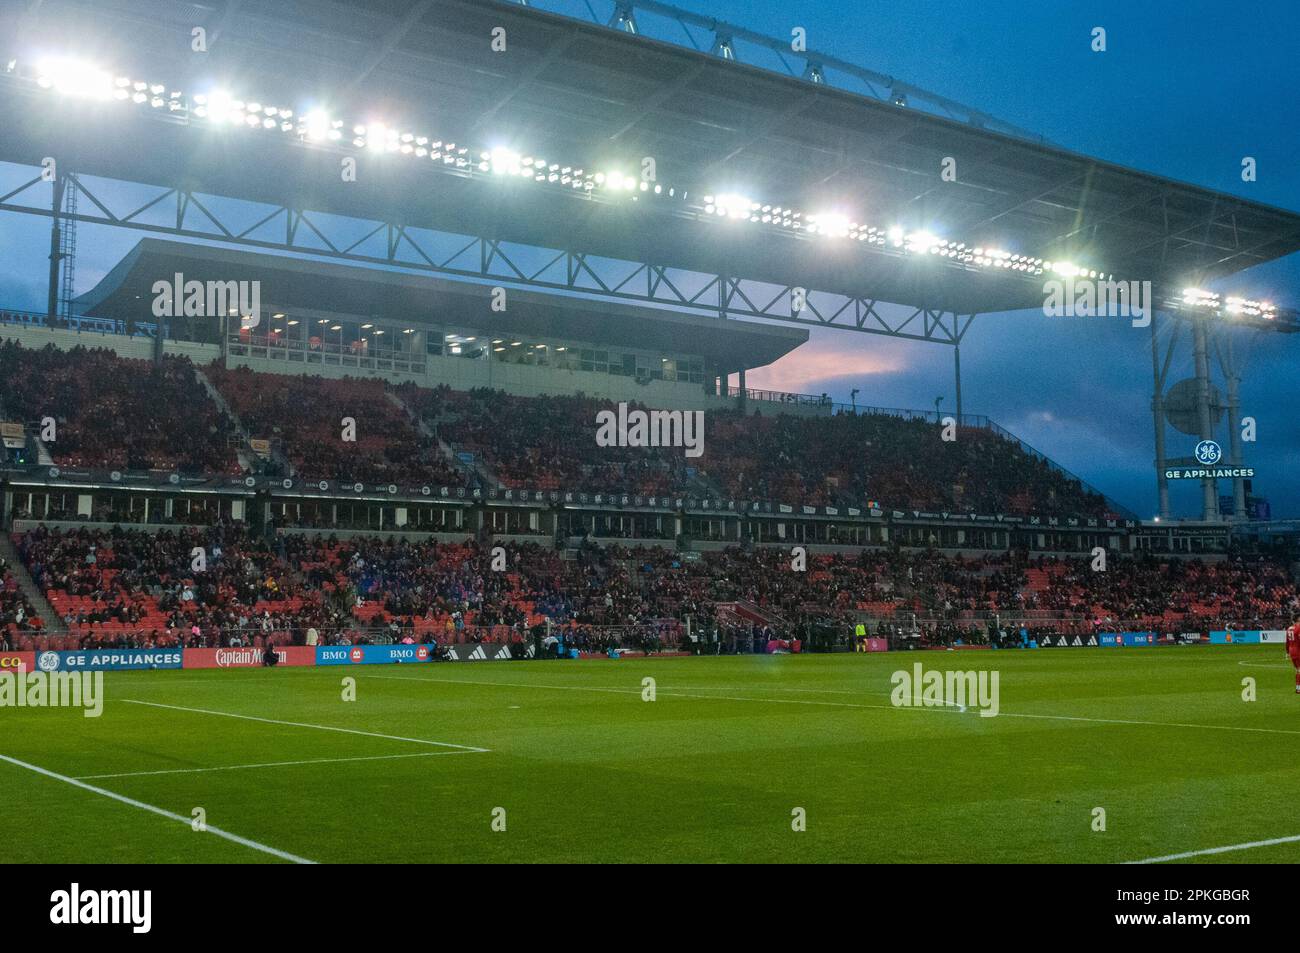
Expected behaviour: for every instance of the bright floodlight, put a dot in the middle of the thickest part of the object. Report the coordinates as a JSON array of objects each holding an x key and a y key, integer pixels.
[
  {"x": 317, "y": 125},
  {"x": 75, "y": 78},
  {"x": 733, "y": 205},
  {"x": 831, "y": 224},
  {"x": 505, "y": 161},
  {"x": 220, "y": 107},
  {"x": 1256, "y": 309},
  {"x": 1200, "y": 299},
  {"x": 921, "y": 242}
]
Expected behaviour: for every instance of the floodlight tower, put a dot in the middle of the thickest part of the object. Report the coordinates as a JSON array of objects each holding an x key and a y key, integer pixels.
[{"x": 1195, "y": 405}]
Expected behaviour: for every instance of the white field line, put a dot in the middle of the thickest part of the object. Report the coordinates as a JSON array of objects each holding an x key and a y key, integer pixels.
[
  {"x": 1219, "y": 850},
  {"x": 299, "y": 724},
  {"x": 283, "y": 855},
  {"x": 271, "y": 764},
  {"x": 833, "y": 704},
  {"x": 1266, "y": 664}
]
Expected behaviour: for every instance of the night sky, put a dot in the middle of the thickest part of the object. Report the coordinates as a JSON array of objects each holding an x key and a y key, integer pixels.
[{"x": 1185, "y": 89}]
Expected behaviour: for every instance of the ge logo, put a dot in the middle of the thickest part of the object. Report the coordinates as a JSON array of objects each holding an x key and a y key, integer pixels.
[
  {"x": 48, "y": 662},
  {"x": 1208, "y": 453}
]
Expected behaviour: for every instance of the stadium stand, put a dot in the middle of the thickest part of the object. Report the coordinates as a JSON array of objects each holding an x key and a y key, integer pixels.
[
  {"x": 17, "y": 616},
  {"x": 119, "y": 585},
  {"x": 851, "y": 458},
  {"x": 113, "y": 412},
  {"x": 546, "y": 443},
  {"x": 118, "y": 413},
  {"x": 304, "y": 415}
]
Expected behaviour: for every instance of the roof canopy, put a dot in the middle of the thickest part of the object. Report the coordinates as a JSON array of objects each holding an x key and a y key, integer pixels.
[{"x": 581, "y": 93}]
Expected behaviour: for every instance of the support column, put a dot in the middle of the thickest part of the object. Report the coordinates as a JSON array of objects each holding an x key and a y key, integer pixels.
[
  {"x": 1158, "y": 417},
  {"x": 1209, "y": 486},
  {"x": 956, "y": 362},
  {"x": 56, "y": 258},
  {"x": 1234, "y": 431}
]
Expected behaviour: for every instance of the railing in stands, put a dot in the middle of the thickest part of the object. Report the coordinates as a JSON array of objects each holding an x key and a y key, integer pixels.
[
  {"x": 781, "y": 397},
  {"x": 77, "y": 323}
]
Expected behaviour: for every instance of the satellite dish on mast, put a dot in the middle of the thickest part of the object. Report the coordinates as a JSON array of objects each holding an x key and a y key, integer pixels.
[{"x": 1181, "y": 410}]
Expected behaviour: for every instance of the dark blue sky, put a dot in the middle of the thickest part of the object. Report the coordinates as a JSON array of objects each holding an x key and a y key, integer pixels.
[{"x": 1185, "y": 90}]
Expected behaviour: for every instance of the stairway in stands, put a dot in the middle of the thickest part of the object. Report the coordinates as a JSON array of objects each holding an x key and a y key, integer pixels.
[
  {"x": 742, "y": 610},
  {"x": 35, "y": 598},
  {"x": 475, "y": 472},
  {"x": 249, "y": 458}
]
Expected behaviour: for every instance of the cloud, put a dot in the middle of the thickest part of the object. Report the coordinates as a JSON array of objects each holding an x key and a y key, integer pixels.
[{"x": 826, "y": 363}]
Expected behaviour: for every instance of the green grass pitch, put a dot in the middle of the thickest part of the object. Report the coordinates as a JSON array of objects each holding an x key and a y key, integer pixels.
[{"x": 709, "y": 771}]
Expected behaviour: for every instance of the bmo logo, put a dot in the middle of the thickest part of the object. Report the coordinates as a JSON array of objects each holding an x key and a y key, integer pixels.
[
  {"x": 357, "y": 654},
  {"x": 422, "y": 653}
]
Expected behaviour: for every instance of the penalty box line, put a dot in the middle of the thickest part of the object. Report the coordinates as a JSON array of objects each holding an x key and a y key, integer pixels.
[
  {"x": 299, "y": 724},
  {"x": 161, "y": 812}
]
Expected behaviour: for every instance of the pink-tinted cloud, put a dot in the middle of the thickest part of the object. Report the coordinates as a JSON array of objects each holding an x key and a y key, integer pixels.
[{"x": 819, "y": 364}]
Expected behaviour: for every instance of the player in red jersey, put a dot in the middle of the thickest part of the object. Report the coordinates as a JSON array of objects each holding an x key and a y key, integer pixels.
[{"x": 1293, "y": 650}]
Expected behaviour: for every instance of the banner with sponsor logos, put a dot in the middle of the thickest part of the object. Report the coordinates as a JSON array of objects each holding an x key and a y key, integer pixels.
[
  {"x": 247, "y": 657},
  {"x": 1224, "y": 637},
  {"x": 1130, "y": 639},
  {"x": 372, "y": 654},
  {"x": 1058, "y": 640},
  {"x": 486, "y": 652},
  {"x": 108, "y": 660},
  {"x": 1273, "y": 637},
  {"x": 11, "y": 660}
]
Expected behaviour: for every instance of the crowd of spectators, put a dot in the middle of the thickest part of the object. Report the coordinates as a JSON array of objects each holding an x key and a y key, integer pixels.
[
  {"x": 112, "y": 412},
  {"x": 549, "y": 443},
  {"x": 305, "y": 417},
  {"x": 119, "y": 413},
  {"x": 114, "y": 584},
  {"x": 213, "y": 586},
  {"x": 849, "y": 458},
  {"x": 16, "y": 613}
]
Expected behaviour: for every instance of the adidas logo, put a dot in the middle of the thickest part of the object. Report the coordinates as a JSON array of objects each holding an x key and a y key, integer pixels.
[{"x": 478, "y": 655}]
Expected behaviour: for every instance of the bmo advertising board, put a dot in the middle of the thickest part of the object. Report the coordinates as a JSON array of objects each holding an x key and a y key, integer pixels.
[
  {"x": 372, "y": 654},
  {"x": 247, "y": 657}
]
